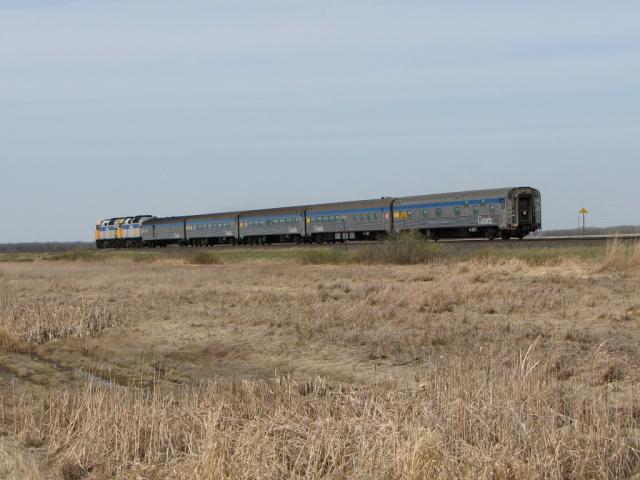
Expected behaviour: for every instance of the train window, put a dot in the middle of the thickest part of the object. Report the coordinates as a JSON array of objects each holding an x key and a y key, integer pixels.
[
  {"x": 375, "y": 216},
  {"x": 332, "y": 218},
  {"x": 456, "y": 211},
  {"x": 438, "y": 212},
  {"x": 262, "y": 222},
  {"x": 482, "y": 202},
  {"x": 476, "y": 210},
  {"x": 425, "y": 213},
  {"x": 492, "y": 209},
  {"x": 466, "y": 203}
]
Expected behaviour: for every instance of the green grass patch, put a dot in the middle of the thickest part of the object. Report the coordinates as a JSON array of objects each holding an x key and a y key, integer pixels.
[
  {"x": 17, "y": 257},
  {"x": 84, "y": 255}
]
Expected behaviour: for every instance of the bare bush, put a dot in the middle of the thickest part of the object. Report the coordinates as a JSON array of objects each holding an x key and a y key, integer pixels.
[{"x": 204, "y": 258}]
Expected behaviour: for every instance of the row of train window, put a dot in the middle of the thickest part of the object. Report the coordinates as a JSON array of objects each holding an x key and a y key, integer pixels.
[
  {"x": 275, "y": 221},
  {"x": 356, "y": 217},
  {"x": 209, "y": 226},
  {"x": 457, "y": 211}
]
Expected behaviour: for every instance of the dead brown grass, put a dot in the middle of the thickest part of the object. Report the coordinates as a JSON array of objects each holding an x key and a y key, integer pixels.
[
  {"x": 621, "y": 256},
  {"x": 494, "y": 368},
  {"x": 514, "y": 422},
  {"x": 34, "y": 319}
]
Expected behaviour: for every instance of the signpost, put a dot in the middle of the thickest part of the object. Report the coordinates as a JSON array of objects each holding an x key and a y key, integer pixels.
[{"x": 583, "y": 212}]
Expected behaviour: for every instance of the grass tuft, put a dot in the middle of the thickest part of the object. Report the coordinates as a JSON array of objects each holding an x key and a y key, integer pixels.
[
  {"x": 33, "y": 319},
  {"x": 622, "y": 256},
  {"x": 77, "y": 255},
  {"x": 205, "y": 258},
  {"x": 408, "y": 249}
]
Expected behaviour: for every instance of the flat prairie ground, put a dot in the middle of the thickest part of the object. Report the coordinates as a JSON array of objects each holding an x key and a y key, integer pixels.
[{"x": 298, "y": 365}]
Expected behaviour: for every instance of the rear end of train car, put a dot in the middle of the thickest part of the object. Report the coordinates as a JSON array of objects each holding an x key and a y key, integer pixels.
[{"x": 502, "y": 212}]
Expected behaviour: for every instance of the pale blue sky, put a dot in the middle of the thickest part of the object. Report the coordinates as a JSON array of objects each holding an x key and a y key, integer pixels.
[{"x": 122, "y": 107}]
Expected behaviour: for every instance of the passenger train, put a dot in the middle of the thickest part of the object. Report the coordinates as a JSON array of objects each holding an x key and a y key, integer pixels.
[{"x": 501, "y": 212}]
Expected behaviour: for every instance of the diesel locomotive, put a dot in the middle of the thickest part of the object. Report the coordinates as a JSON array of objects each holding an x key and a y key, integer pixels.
[{"x": 501, "y": 212}]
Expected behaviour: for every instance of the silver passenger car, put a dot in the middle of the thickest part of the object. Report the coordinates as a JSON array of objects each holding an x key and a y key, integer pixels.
[
  {"x": 357, "y": 220},
  {"x": 272, "y": 225},
  {"x": 164, "y": 231},
  {"x": 211, "y": 229},
  {"x": 507, "y": 212}
]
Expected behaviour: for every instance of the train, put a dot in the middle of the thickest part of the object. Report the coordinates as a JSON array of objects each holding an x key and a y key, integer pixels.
[{"x": 505, "y": 213}]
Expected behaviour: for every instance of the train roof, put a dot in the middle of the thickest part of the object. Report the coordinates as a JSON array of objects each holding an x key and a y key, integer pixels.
[
  {"x": 162, "y": 220},
  {"x": 372, "y": 203},
  {"x": 212, "y": 216},
  {"x": 274, "y": 211},
  {"x": 468, "y": 194}
]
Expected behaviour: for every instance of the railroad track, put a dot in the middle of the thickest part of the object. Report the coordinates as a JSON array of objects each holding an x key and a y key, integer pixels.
[
  {"x": 460, "y": 245},
  {"x": 596, "y": 239}
]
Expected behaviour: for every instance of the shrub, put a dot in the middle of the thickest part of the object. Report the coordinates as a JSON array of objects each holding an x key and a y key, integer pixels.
[
  {"x": 205, "y": 258},
  {"x": 77, "y": 255},
  {"x": 405, "y": 249}
]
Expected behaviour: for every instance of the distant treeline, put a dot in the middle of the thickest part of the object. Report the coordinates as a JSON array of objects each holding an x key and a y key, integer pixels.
[
  {"x": 39, "y": 247},
  {"x": 570, "y": 232}
]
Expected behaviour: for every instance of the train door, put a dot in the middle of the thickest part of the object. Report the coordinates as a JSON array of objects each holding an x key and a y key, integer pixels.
[{"x": 525, "y": 209}]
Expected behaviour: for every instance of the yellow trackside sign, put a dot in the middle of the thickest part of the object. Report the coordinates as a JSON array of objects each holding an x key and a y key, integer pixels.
[{"x": 583, "y": 211}]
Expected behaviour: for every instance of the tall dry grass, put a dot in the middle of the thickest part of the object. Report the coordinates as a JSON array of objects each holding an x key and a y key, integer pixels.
[
  {"x": 499, "y": 421},
  {"x": 513, "y": 379},
  {"x": 622, "y": 256},
  {"x": 36, "y": 319}
]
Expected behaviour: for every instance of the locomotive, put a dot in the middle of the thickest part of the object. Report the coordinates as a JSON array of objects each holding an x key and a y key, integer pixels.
[{"x": 492, "y": 213}]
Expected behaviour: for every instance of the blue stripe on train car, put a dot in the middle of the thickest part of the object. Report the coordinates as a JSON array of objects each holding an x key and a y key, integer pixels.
[
  {"x": 212, "y": 220},
  {"x": 269, "y": 217},
  {"x": 460, "y": 203},
  {"x": 324, "y": 213}
]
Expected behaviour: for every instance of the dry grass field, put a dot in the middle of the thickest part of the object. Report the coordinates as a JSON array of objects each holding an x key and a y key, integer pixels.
[{"x": 401, "y": 361}]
